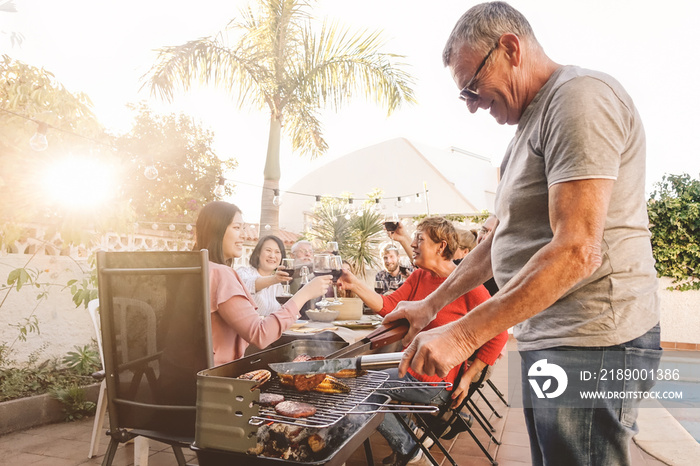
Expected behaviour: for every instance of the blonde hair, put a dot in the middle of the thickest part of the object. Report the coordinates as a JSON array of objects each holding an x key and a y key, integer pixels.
[
  {"x": 466, "y": 239},
  {"x": 438, "y": 230}
]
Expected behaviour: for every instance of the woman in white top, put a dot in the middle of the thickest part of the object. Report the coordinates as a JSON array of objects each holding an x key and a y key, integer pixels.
[{"x": 261, "y": 278}]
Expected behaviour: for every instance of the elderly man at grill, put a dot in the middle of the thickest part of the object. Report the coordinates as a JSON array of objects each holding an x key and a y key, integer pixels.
[
  {"x": 433, "y": 246},
  {"x": 571, "y": 250}
]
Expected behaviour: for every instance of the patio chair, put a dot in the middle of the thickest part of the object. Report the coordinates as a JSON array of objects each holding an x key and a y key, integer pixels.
[
  {"x": 140, "y": 443},
  {"x": 448, "y": 423},
  {"x": 156, "y": 335}
]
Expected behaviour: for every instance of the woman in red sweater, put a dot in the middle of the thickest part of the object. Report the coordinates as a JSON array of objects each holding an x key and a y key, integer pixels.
[{"x": 433, "y": 246}]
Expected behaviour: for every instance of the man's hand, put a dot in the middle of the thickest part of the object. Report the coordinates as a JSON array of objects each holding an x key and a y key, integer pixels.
[
  {"x": 436, "y": 351},
  {"x": 418, "y": 314}
]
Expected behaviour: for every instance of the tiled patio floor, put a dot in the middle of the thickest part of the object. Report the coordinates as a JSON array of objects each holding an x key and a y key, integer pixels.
[{"x": 68, "y": 444}]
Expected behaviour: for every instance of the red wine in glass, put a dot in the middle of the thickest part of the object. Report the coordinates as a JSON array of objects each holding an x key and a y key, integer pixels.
[
  {"x": 290, "y": 272},
  {"x": 391, "y": 226},
  {"x": 379, "y": 289},
  {"x": 319, "y": 272},
  {"x": 283, "y": 299},
  {"x": 336, "y": 274}
]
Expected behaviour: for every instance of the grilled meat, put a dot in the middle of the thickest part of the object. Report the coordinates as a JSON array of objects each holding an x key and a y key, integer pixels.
[
  {"x": 261, "y": 376},
  {"x": 295, "y": 409},
  {"x": 302, "y": 382},
  {"x": 331, "y": 385},
  {"x": 270, "y": 399}
]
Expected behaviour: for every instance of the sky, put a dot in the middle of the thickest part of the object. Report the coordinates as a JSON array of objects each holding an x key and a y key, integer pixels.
[{"x": 102, "y": 48}]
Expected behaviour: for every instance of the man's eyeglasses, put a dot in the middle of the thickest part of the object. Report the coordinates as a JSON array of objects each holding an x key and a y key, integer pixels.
[{"x": 468, "y": 93}]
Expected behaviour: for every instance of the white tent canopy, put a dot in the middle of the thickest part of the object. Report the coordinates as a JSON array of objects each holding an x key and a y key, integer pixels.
[{"x": 458, "y": 182}]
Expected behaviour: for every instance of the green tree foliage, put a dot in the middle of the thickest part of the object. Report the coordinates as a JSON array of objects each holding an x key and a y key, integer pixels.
[
  {"x": 276, "y": 57},
  {"x": 674, "y": 214},
  {"x": 188, "y": 168}
]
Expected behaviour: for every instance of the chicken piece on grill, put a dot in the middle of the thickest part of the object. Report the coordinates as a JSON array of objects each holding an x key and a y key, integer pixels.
[{"x": 302, "y": 382}]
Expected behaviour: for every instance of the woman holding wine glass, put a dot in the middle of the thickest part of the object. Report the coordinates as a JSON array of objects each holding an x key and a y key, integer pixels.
[
  {"x": 432, "y": 249},
  {"x": 266, "y": 273},
  {"x": 235, "y": 324}
]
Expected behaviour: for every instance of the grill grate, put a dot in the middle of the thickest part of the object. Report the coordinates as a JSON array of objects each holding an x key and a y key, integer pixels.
[{"x": 330, "y": 407}]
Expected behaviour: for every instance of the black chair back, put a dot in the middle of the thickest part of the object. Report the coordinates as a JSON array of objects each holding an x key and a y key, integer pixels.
[{"x": 156, "y": 333}]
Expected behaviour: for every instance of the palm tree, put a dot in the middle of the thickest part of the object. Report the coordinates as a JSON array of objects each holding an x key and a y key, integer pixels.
[{"x": 273, "y": 58}]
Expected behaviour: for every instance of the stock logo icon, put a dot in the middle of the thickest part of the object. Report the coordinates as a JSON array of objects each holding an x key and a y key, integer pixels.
[{"x": 541, "y": 370}]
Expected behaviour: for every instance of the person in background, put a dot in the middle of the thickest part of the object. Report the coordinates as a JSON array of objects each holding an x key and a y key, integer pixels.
[
  {"x": 484, "y": 232},
  {"x": 570, "y": 251},
  {"x": 391, "y": 277},
  {"x": 466, "y": 241},
  {"x": 432, "y": 249},
  {"x": 261, "y": 277},
  {"x": 234, "y": 321},
  {"x": 303, "y": 254}
]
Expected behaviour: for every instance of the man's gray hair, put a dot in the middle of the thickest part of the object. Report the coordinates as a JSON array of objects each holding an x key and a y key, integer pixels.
[
  {"x": 300, "y": 243},
  {"x": 482, "y": 25}
]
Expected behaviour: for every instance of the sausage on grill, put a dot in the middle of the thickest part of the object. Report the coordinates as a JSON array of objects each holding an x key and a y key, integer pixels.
[{"x": 295, "y": 409}]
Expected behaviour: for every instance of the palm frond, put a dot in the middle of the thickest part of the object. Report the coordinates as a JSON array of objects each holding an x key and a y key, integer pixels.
[
  {"x": 208, "y": 61},
  {"x": 304, "y": 128},
  {"x": 338, "y": 64}
]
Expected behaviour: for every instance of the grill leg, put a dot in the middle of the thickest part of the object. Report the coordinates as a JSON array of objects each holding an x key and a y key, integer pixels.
[{"x": 368, "y": 452}]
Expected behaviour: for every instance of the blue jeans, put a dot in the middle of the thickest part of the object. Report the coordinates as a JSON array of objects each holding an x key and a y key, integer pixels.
[
  {"x": 588, "y": 435},
  {"x": 391, "y": 428}
]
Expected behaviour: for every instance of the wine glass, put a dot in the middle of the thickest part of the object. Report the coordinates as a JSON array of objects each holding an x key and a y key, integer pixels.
[
  {"x": 322, "y": 266},
  {"x": 391, "y": 223},
  {"x": 287, "y": 265},
  {"x": 379, "y": 287},
  {"x": 332, "y": 247},
  {"x": 284, "y": 294},
  {"x": 336, "y": 263}
]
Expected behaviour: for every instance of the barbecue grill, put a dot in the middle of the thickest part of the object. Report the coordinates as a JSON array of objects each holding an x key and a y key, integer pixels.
[{"x": 229, "y": 416}]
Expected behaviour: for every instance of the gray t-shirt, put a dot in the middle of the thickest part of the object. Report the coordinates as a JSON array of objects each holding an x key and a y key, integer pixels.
[{"x": 581, "y": 125}]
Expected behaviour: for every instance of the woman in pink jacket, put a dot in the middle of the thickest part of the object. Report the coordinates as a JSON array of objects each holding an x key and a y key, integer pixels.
[{"x": 234, "y": 322}]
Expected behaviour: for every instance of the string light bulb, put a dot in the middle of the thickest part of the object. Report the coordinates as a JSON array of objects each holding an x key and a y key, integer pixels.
[
  {"x": 38, "y": 142},
  {"x": 419, "y": 198},
  {"x": 268, "y": 227},
  {"x": 188, "y": 227},
  {"x": 398, "y": 202},
  {"x": 276, "y": 201},
  {"x": 171, "y": 227},
  {"x": 317, "y": 203},
  {"x": 220, "y": 190},
  {"x": 150, "y": 172}
]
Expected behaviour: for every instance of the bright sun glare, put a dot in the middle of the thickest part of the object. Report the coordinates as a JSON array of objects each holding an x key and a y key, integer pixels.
[{"x": 78, "y": 182}]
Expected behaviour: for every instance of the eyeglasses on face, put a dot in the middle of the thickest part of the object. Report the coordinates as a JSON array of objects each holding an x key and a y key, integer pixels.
[{"x": 468, "y": 93}]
